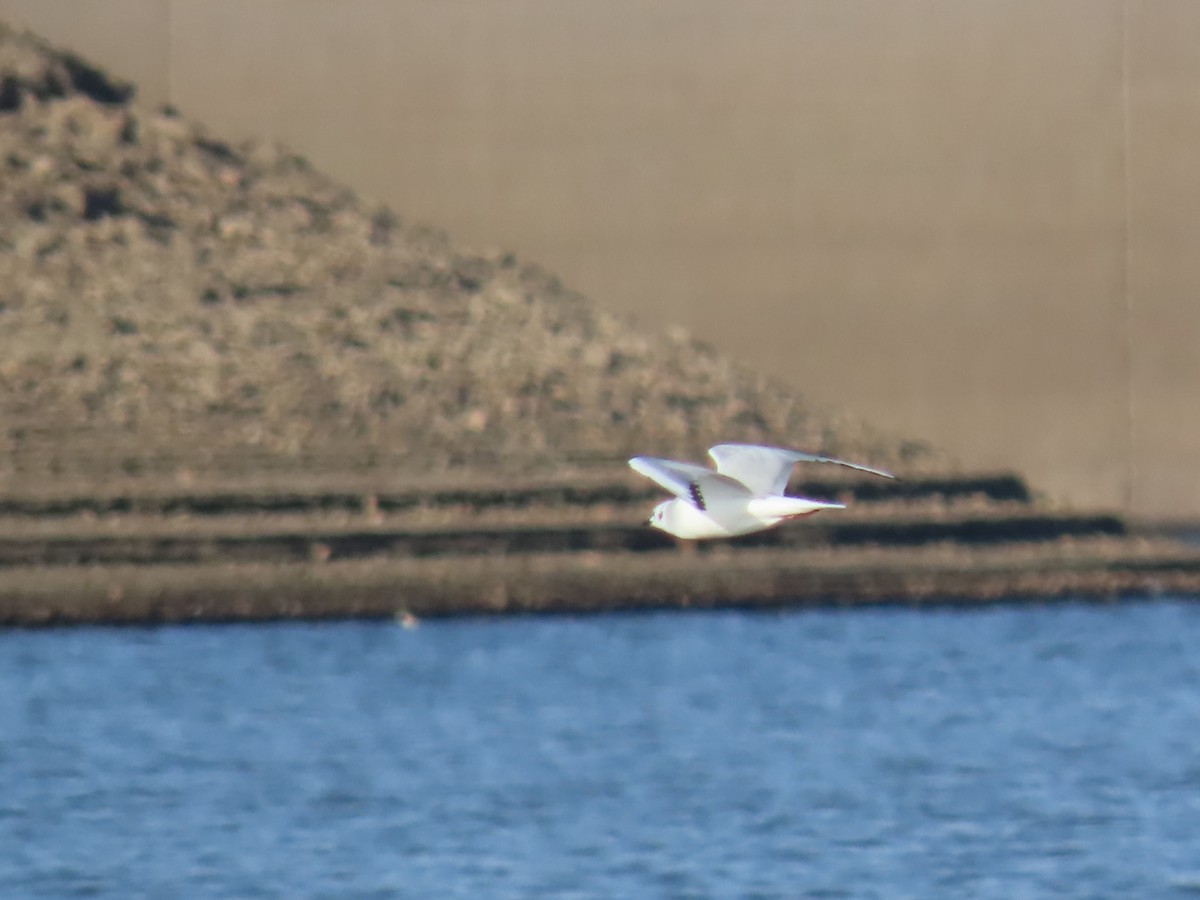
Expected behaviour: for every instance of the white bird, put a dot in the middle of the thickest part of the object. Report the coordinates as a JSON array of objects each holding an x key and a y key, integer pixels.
[{"x": 744, "y": 494}]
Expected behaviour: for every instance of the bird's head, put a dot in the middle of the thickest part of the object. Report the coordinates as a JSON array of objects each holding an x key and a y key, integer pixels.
[{"x": 658, "y": 516}]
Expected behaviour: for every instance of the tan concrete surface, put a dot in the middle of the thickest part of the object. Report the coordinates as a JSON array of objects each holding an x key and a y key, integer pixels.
[
  {"x": 1164, "y": 128},
  {"x": 971, "y": 221}
]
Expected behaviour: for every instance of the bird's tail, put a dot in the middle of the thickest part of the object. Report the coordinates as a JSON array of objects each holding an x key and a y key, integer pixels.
[{"x": 788, "y": 507}]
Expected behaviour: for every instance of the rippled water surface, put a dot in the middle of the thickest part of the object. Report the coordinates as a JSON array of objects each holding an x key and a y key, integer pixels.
[{"x": 1012, "y": 752}]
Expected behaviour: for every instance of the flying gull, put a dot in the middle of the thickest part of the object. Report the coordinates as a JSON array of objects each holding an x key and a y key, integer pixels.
[{"x": 744, "y": 494}]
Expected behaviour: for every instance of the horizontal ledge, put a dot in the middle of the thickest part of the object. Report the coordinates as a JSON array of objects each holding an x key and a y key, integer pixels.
[{"x": 585, "y": 582}]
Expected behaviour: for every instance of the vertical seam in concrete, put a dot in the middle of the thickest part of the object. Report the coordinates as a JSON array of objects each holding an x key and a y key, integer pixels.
[
  {"x": 1131, "y": 470},
  {"x": 170, "y": 52}
]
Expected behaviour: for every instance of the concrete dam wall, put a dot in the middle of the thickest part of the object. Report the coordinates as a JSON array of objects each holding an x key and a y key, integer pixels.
[{"x": 971, "y": 222}]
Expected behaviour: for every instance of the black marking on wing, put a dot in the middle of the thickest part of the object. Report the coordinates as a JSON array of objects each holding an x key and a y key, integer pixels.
[{"x": 697, "y": 497}]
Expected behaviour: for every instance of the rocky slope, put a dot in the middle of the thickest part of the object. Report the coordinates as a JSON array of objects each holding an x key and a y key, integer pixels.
[{"x": 171, "y": 302}]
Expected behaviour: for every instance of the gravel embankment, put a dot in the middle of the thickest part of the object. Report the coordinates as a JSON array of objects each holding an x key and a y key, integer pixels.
[{"x": 171, "y": 302}]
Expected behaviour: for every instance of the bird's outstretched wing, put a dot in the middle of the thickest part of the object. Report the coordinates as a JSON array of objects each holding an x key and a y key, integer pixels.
[
  {"x": 696, "y": 484},
  {"x": 765, "y": 470}
]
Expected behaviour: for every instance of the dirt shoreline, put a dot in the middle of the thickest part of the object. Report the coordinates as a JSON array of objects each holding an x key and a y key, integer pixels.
[
  {"x": 574, "y": 584},
  {"x": 216, "y": 552}
]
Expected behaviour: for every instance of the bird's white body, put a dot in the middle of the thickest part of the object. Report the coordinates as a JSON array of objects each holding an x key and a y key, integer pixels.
[{"x": 743, "y": 495}]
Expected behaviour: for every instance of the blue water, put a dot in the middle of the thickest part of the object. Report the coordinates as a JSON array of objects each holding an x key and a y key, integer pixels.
[{"x": 1011, "y": 752}]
